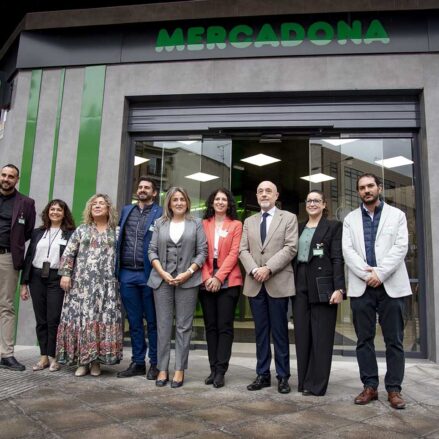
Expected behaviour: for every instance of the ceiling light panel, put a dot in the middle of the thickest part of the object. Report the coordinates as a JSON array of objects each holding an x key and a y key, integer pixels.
[{"x": 260, "y": 160}]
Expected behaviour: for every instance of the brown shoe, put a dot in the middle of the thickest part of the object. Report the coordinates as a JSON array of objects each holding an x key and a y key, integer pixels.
[
  {"x": 396, "y": 400},
  {"x": 367, "y": 395}
]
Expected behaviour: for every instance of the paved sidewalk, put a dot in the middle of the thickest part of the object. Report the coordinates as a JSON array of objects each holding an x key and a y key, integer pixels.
[{"x": 59, "y": 405}]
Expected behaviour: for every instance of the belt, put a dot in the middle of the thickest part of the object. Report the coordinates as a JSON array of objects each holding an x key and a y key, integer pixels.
[{"x": 4, "y": 250}]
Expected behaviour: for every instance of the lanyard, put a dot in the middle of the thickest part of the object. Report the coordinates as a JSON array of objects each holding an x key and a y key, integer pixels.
[{"x": 51, "y": 241}]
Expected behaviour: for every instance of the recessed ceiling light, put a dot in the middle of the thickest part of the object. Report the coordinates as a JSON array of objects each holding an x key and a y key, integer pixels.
[
  {"x": 260, "y": 160},
  {"x": 317, "y": 178},
  {"x": 139, "y": 160},
  {"x": 201, "y": 176},
  {"x": 394, "y": 162},
  {"x": 188, "y": 142},
  {"x": 339, "y": 142}
]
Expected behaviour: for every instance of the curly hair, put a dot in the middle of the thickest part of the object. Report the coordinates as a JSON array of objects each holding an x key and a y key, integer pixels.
[
  {"x": 87, "y": 217},
  {"x": 167, "y": 212},
  {"x": 67, "y": 223},
  {"x": 231, "y": 204}
]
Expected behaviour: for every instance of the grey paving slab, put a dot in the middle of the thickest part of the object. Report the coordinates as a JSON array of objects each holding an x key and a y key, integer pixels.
[{"x": 60, "y": 405}]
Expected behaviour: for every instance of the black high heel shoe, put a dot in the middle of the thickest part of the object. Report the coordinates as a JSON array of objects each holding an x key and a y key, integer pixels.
[
  {"x": 163, "y": 382},
  {"x": 177, "y": 384}
]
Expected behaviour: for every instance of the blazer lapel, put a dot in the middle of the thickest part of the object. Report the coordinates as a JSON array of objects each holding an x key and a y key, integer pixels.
[
  {"x": 383, "y": 218},
  {"x": 17, "y": 208},
  {"x": 360, "y": 230},
  {"x": 273, "y": 226},
  {"x": 226, "y": 225}
]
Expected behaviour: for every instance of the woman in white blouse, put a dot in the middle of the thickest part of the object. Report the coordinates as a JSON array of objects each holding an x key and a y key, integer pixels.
[
  {"x": 40, "y": 277},
  {"x": 177, "y": 251}
]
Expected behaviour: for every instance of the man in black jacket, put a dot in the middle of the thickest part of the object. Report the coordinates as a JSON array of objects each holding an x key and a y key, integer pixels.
[{"x": 17, "y": 220}]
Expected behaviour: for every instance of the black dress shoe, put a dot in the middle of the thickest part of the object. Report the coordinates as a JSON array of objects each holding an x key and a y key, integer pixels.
[
  {"x": 259, "y": 383},
  {"x": 163, "y": 382},
  {"x": 283, "y": 385},
  {"x": 307, "y": 392},
  {"x": 209, "y": 380},
  {"x": 177, "y": 384},
  {"x": 12, "y": 364},
  {"x": 218, "y": 381},
  {"x": 152, "y": 372},
  {"x": 134, "y": 369}
]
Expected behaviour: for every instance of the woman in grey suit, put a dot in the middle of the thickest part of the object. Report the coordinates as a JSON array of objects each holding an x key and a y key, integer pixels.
[{"x": 177, "y": 251}]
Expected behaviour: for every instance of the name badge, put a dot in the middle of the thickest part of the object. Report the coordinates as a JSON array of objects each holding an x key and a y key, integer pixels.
[
  {"x": 223, "y": 233},
  {"x": 21, "y": 220},
  {"x": 317, "y": 252},
  {"x": 62, "y": 241}
]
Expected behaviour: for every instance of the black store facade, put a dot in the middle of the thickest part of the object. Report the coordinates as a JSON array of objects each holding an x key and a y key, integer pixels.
[{"x": 206, "y": 98}]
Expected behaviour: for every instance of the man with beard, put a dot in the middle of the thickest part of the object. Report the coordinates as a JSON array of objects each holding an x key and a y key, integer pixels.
[
  {"x": 17, "y": 220},
  {"x": 375, "y": 242},
  {"x": 268, "y": 245},
  {"x": 133, "y": 269}
]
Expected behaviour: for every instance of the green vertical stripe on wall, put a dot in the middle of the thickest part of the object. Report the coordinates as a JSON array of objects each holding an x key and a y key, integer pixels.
[
  {"x": 30, "y": 131},
  {"x": 56, "y": 137},
  {"x": 28, "y": 151},
  {"x": 89, "y": 138}
]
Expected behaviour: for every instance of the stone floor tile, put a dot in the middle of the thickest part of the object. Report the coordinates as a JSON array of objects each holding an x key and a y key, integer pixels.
[
  {"x": 434, "y": 435},
  {"x": 353, "y": 412},
  {"x": 131, "y": 410},
  {"x": 112, "y": 431},
  {"x": 362, "y": 431},
  {"x": 183, "y": 403},
  {"x": 268, "y": 428},
  {"x": 48, "y": 404},
  {"x": 221, "y": 415},
  {"x": 266, "y": 407},
  {"x": 168, "y": 427},
  {"x": 104, "y": 396},
  {"x": 212, "y": 434},
  {"x": 8, "y": 410},
  {"x": 19, "y": 426},
  {"x": 71, "y": 419}
]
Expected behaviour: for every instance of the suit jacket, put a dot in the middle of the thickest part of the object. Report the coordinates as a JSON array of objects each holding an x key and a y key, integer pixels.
[
  {"x": 37, "y": 234},
  {"x": 23, "y": 212},
  {"x": 192, "y": 248},
  {"x": 330, "y": 264},
  {"x": 391, "y": 246},
  {"x": 276, "y": 253},
  {"x": 154, "y": 214},
  {"x": 228, "y": 250}
]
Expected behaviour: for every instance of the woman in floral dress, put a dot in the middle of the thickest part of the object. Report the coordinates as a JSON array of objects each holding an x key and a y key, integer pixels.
[{"x": 90, "y": 332}]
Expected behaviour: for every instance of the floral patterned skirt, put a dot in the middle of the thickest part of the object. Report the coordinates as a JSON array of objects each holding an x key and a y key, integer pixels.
[{"x": 91, "y": 326}]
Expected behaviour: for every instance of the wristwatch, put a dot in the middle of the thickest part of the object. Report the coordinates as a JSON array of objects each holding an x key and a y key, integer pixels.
[{"x": 191, "y": 270}]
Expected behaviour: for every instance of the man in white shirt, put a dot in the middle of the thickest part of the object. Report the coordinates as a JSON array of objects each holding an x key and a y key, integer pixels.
[
  {"x": 375, "y": 243},
  {"x": 268, "y": 245}
]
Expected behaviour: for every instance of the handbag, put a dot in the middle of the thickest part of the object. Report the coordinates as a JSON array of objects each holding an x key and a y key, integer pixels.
[{"x": 325, "y": 288}]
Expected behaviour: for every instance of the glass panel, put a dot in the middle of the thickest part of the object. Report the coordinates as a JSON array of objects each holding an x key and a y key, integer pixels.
[{"x": 343, "y": 160}]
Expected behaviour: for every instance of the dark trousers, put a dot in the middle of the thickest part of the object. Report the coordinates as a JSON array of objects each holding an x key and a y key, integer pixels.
[
  {"x": 314, "y": 329},
  {"x": 138, "y": 301},
  {"x": 219, "y": 314},
  {"x": 270, "y": 318},
  {"x": 390, "y": 313},
  {"x": 47, "y": 300}
]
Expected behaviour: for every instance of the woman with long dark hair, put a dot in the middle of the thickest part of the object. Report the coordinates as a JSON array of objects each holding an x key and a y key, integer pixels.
[
  {"x": 40, "y": 277},
  {"x": 222, "y": 280},
  {"x": 320, "y": 287}
]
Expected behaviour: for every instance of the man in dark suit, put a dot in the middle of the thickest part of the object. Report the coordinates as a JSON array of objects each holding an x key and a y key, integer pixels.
[
  {"x": 268, "y": 244},
  {"x": 17, "y": 220},
  {"x": 133, "y": 269}
]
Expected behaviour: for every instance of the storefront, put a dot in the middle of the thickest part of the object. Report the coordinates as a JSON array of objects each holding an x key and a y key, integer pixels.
[{"x": 229, "y": 98}]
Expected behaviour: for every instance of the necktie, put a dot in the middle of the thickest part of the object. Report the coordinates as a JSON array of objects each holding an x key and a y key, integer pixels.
[{"x": 264, "y": 226}]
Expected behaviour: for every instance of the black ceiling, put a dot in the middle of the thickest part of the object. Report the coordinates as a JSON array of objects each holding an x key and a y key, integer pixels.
[{"x": 11, "y": 13}]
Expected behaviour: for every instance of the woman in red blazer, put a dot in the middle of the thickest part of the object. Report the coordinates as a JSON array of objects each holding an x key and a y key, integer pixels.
[{"x": 222, "y": 280}]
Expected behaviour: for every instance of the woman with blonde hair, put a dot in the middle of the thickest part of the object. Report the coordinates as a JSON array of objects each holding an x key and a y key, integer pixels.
[
  {"x": 90, "y": 331},
  {"x": 177, "y": 251}
]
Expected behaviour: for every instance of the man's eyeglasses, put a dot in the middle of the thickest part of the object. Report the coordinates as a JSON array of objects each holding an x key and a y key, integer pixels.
[{"x": 316, "y": 202}]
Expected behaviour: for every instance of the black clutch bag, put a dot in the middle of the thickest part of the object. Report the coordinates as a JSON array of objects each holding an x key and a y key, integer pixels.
[{"x": 325, "y": 288}]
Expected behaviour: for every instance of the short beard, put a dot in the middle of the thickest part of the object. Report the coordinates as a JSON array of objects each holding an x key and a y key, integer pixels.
[{"x": 372, "y": 202}]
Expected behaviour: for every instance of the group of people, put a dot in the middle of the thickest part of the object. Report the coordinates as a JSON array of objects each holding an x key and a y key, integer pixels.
[{"x": 159, "y": 262}]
